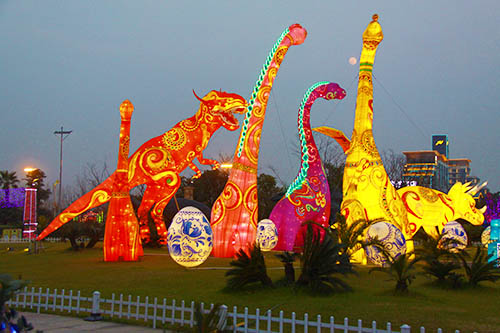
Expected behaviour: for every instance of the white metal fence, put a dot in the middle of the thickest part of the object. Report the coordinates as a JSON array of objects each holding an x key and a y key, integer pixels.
[{"x": 160, "y": 312}]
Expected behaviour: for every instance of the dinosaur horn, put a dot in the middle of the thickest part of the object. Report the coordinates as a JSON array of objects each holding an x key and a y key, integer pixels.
[
  {"x": 200, "y": 99},
  {"x": 483, "y": 209},
  {"x": 477, "y": 188}
]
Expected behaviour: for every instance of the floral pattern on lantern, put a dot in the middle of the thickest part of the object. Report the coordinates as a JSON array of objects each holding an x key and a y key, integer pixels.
[
  {"x": 190, "y": 238},
  {"x": 267, "y": 235}
]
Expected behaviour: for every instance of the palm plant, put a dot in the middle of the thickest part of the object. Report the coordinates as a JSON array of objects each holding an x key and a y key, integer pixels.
[
  {"x": 288, "y": 258},
  {"x": 480, "y": 268},
  {"x": 439, "y": 261},
  {"x": 8, "y": 180},
  {"x": 353, "y": 236},
  {"x": 213, "y": 321},
  {"x": 248, "y": 269},
  {"x": 321, "y": 260},
  {"x": 401, "y": 269},
  {"x": 8, "y": 288}
]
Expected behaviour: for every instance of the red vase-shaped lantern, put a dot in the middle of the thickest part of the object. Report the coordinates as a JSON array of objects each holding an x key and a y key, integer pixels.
[{"x": 121, "y": 237}]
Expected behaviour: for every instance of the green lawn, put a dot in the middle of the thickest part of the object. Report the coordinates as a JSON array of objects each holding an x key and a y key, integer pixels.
[{"x": 156, "y": 275}]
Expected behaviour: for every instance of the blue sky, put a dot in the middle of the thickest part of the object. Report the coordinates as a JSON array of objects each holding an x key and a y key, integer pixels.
[{"x": 71, "y": 64}]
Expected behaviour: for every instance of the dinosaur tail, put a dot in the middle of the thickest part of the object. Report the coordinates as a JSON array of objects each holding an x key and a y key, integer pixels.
[{"x": 96, "y": 197}]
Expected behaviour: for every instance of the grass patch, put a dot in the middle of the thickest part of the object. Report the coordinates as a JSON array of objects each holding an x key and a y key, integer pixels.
[{"x": 157, "y": 275}]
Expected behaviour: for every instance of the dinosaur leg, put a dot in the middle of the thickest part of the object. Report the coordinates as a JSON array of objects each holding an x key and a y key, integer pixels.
[
  {"x": 151, "y": 195},
  {"x": 95, "y": 197},
  {"x": 157, "y": 213}
]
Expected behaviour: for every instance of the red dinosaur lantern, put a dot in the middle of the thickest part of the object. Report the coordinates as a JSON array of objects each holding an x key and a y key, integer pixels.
[
  {"x": 159, "y": 161},
  {"x": 234, "y": 213}
]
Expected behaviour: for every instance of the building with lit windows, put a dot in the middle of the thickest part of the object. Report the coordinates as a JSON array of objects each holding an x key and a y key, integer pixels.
[
  {"x": 434, "y": 169},
  {"x": 459, "y": 171},
  {"x": 428, "y": 168}
]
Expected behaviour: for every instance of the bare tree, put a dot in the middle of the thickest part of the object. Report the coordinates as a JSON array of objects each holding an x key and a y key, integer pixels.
[{"x": 394, "y": 164}]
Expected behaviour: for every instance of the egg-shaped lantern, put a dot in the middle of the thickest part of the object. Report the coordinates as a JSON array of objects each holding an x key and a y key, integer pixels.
[
  {"x": 391, "y": 237},
  {"x": 189, "y": 237},
  {"x": 454, "y": 231},
  {"x": 485, "y": 236},
  {"x": 267, "y": 235}
]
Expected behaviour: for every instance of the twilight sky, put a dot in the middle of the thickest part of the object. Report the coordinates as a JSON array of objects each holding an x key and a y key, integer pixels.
[{"x": 71, "y": 64}]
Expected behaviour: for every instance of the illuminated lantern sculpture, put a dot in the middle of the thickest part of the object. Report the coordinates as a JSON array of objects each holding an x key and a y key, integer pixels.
[
  {"x": 234, "y": 213},
  {"x": 189, "y": 237},
  {"x": 391, "y": 238},
  {"x": 455, "y": 232},
  {"x": 432, "y": 209},
  {"x": 367, "y": 191},
  {"x": 267, "y": 235},
  {"x": 121, "y": 235},
  {"x": 159, "y": 161},
  {"x": 494, "y": 245},
  {"x": 308, "y": 197}
]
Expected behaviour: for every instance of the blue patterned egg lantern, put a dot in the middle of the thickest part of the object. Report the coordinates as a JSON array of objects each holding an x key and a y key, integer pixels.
[
  {"x": 454, "y": 230},
  {"x": 189, "y": 237},
  {"x": 392, "y": 238},
  {"x": 267, "y": 235}
]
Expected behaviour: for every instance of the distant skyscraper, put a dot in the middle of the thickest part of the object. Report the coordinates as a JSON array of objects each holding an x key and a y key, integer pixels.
[
  {"x": 440, "y": 144},
  {"x": 435, "y": 169}
]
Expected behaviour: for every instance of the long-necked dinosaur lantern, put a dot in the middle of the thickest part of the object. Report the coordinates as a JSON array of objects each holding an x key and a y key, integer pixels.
[
  {"x": 367, "y": 191},
  {"x": 234, "y": 213},
  {"x": 308, "y": 197},
  {"x": 159, "y": 161}
]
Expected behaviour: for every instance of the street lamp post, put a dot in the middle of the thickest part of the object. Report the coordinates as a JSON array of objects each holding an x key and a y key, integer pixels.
[{"x": 62, "y": 132}]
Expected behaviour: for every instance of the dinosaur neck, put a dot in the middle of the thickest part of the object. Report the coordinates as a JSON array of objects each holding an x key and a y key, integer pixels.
[
  {"x": 234, "y": 223},
  {"x": 247, "y": 152},
  {"x": 363, "y": 121},
  {"x": 309, "y": 152}
]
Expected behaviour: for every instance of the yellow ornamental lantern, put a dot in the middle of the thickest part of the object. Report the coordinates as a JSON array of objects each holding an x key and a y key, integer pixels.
[
  {"x": 190, "y": 237},
  {"x": 267, "y": 235}
]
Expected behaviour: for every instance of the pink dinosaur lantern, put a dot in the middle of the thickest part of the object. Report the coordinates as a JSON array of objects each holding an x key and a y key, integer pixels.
[{"x": 308, "y": 197}]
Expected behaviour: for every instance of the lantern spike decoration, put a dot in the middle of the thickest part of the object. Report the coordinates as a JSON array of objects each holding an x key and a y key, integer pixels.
[
  {"x": 158, "y": 162},
  {"x": 367, "y": 191},
  {"x": 121, "y": 235},
  {"x": 234, "y": 213},
  {"x": 308, "y": 197}
]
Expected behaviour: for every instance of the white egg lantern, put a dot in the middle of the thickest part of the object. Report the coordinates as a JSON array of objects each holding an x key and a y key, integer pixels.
[
  {"x": 190, "y": 238},
  {"x": 485, "y": 236},
  {"x": 267, "y": 235},
  {"x": 391, "y": 237},
  {"x": 454, "y": 231}
]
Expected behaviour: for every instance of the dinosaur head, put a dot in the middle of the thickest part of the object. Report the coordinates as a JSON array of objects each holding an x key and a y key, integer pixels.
[
  {"x": 465, "y": 204},
  {"x": 297, "y": 34},
  {"x": 219, "y": 107},
  {"x": 333, "y": 91}
]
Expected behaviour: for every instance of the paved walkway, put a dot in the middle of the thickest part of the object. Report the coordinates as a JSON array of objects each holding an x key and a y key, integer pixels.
[{"x": 49, "y": 323}]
